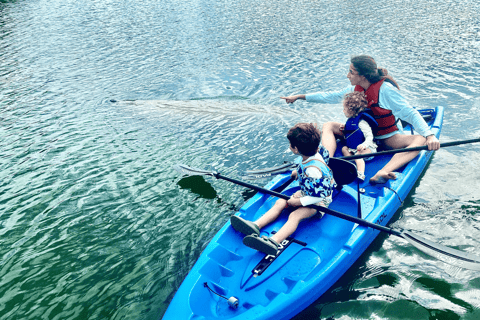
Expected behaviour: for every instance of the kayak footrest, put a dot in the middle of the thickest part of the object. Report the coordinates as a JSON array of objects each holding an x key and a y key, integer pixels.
[
  {"x": 268, "y": 259},
  {"x": 223, "y": 255}
]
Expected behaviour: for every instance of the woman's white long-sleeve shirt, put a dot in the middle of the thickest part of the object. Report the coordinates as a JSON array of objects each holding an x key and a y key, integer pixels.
[{"x": 389, "y": 98}]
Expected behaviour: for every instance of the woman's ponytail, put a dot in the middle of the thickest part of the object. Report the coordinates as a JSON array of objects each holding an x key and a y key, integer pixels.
[{"x": 367, "y": 67}]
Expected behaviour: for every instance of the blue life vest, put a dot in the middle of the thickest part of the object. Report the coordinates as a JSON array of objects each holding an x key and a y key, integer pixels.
[
  {"x": 316, "y": 187},
  {"x": 352, "y": 133}
]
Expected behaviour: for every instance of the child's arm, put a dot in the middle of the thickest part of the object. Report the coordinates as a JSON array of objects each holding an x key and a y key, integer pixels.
[
  {"x": 367, "y": 132},
  {"x": 299, "y": 201},
  {"x": 294, "y": 174},
  {"x": 308, "y": 200},
  {"x": 296, "y": 200}
]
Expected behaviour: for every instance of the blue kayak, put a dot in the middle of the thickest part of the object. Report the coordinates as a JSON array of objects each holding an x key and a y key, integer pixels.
[{"x": 232, "y": 281}]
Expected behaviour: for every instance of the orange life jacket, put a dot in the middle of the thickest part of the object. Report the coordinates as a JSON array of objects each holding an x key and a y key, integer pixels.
[{"x": 385, "y": 118}]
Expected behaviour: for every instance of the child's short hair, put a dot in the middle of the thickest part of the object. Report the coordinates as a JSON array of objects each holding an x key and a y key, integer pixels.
[
  {"x": 355, "y": 101},
  {"x": 306, "y": 137}
]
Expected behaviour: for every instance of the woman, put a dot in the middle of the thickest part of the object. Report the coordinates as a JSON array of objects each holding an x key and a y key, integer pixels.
[{"x": 387, "y": 105}]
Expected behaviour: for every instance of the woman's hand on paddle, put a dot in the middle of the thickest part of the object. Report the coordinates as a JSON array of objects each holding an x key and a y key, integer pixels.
[
  {"x": 433, "y": 143},
  {"x": 292, "y": 99}
]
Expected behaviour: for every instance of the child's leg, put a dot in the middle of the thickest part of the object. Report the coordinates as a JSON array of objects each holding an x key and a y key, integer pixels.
[
  {"x": 292, "y": 223},
  {"x": 272, "y": 214},
  {"x": 345, "y": 151},
  {"x": 360, "y": 162},
  {"x": 360, "y": 165}
]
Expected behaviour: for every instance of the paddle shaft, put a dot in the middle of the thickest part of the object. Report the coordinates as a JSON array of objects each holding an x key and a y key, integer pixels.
[
  {"x": 263, "y": 173},
  {"x": 446, "y": 144},
  {"x": 337, "y": 214}
]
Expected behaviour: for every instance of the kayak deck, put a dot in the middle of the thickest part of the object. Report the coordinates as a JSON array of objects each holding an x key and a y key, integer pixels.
[
  {"x": 321, "y": 251},
  {"x": 230, "y": 262}
]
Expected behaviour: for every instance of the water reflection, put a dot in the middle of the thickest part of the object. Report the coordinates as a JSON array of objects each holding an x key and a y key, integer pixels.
[{"x": 199, "y": 186}]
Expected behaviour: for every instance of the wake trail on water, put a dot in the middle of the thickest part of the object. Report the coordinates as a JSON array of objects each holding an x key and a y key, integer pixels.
[
  {"x": 216, "y": 107},
  {"x": 232, "y": 109}
]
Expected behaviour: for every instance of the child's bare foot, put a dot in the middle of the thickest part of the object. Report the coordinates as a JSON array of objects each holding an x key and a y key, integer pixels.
[{"x": 382, "y": 177}]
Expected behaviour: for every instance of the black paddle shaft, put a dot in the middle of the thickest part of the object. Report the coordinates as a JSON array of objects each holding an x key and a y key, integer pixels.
[
  {"x": 446, "y": 144},
  {"x": 337, "y": 214},
  {"x": 449, "y": 255}
]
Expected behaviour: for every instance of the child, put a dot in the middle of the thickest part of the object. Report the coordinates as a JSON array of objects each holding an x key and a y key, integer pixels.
[
  {"x": 357, "y": 131},
  {"x": 316, "y": 183}
]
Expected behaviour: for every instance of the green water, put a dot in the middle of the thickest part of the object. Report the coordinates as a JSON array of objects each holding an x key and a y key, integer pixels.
[{"x": 95, "y": 224}]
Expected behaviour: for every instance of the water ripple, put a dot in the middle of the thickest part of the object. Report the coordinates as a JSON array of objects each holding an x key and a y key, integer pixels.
[{"x": 95, "y": 224}]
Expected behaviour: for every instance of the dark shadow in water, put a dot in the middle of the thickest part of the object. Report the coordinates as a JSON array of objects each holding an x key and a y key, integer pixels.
[
  {"x": 199, "y": 186},
  {"x": 247, "y": 194}
]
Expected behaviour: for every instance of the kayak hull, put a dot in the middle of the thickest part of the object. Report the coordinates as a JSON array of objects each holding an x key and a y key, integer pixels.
[{"x": 320, "y": 252}]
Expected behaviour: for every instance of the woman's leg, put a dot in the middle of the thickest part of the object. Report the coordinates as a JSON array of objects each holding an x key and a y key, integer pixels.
[
  {"x": 292, "y": 223},
  {"x": 329, "y": 131},
  {"x": 398, "y": 141}
]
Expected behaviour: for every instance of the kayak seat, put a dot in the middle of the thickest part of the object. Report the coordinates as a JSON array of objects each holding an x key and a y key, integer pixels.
[
  {"x": 344, "y": 172},
  {"x": 428, "y": 117}
]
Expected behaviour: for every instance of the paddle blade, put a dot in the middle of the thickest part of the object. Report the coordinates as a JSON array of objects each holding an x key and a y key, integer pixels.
[
  {"x": 184, "y": 169},
  {"x": 443, "y": 253}
]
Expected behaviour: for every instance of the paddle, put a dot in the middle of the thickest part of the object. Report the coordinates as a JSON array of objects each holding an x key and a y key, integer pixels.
[
  {"x": 289, "y": 166},
  {"x": 380, "y": 153},
  {"x": 441, "y": 252},
  {"x": 268, "y": 172}
]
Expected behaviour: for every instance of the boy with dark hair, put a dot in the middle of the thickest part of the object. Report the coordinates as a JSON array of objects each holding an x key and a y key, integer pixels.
[{"x": 316, "y": 184}]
